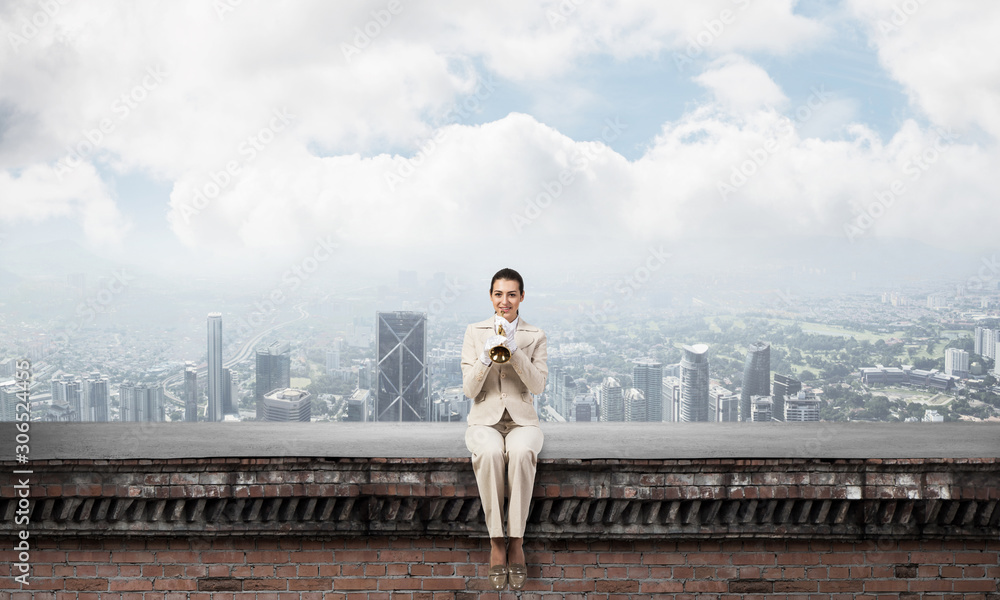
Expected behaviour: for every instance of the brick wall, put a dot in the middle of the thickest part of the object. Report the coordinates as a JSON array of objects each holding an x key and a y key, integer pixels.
[
  {"x": 295, "y": 524},
  {"x": 446, "y": 568}
]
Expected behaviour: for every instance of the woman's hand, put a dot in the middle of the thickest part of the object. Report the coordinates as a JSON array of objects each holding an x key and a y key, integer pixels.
[
  {"x": 510, "y": 343},
  {"x": 491, "y": 342}
]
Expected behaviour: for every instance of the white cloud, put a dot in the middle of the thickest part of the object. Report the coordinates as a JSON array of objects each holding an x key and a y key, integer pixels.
[
  {"x": 741, "y": 85},
  {"x": 353, "y": 122},
  {"x": 943, "y": 53},
  {"x": 39, "y": 193}
]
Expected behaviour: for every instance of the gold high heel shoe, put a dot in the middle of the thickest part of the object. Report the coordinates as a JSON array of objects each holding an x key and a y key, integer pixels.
[
  {"x": 518, "y": 575},
  {"x": 498, "y": 576}
]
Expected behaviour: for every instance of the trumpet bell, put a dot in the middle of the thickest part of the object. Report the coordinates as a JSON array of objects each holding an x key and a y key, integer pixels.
[{"x": 500, "y": 353}]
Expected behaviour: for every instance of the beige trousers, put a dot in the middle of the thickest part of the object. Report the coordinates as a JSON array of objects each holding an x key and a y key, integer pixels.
[{"x": 505, "y": 448}]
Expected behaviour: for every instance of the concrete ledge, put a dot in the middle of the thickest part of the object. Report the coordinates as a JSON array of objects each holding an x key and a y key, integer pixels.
[{"x": 562, "y": 440}]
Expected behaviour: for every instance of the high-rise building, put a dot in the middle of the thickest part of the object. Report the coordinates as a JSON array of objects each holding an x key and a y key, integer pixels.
[
  {"x": 802, "y": 407},
  {"x": 554, "y": 386},
  {"x": 7, "y": 368},
  {"x": 402, "y": 393},
  {"x": 287, "y": 405},
  {"x": 191, "y": 394},
  {"x": 612, "y": 400},
  {"x": 333, "y": 357},
  {"x": 723, "y": 405},
  {"x": 784, "y": 387},
  {"x": 694, "y": 383},
  {"x": 956, "y": 362},
  {"x": 672, "y": 396},
  {"x": 273, "y": 372},
  {"x": 635, "y": 405},
  {"x": 647, "y": 375},
  {"x": 215, "y": 410},
  {"x": 570, "y": 389},
  {"x": 358, "y": 406},
  {"x": 585, "y": 408},
  {"x": 230, "y": 395},
  {"x": 68, "y": 391},
  {"x": 8, "y": 401},
  {"x": 756, "y": 376},
  {"x": 97, "y": 400},
  {"x": 132, "y": 399},
  {"x": 762, "y": 408},
  {"x": 365, "y": 374},
  {"x": 450, "y": 405},
  {"x": 977, "y": 344},
  {"x": 141, "y": 403}
]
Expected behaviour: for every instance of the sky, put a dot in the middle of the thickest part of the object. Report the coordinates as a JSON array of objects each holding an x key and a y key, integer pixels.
[{"x": 436, "y": 135}]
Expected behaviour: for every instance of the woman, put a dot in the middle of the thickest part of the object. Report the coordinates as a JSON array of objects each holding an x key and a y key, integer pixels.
[{"x": 503, "y": 433}]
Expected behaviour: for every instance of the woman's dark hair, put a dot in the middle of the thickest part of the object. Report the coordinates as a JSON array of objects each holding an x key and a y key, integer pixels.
[{"x": 509, "y": 274}]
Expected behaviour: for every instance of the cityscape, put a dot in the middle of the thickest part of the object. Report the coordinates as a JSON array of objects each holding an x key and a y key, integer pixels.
[{"x": 921, "y": 354}]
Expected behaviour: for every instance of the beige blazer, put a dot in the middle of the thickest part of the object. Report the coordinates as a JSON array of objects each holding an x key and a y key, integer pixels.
[{"x": 507, "y": 385}]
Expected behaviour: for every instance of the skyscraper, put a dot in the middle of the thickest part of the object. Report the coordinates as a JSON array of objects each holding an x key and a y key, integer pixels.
[
  {"x": 784, "y": 387},
  {"x": 215, "y": 409},
  {"x": 585, "y": 408},
  {"x": 569, "y": 389},
  {"x": 672, "y": 396},
  {"x": 647, "y": 375},
  {"x": 287, "y": 405},
  {"x": 357, "y": 406},
  {"x": 756, "y": 376},
  {"x": 723, "y": 405},
  {"x": 8, "y": 402},
  {"x": 402, "y": 393},
  {"x": 635, "y": 405},
  {"x": 274, "y": 368},
  {"x": 132, "y": 399},
  {"x": 802, "y": 407},
  {"x": 191, "y": 394},
  {"x": 761, "y": 409},
  {"x": 956, "y": 362},
  {"x": 612, "y": 400},
  {"x": 96, "y": 403},
  {"x": 141, "y": 403},
  {"x": 554, "y": 386},
  {"x": 694, "y": 383},
  {"x": 68, "y": 390},
  {"x": 333, "y": 357},
  {"x": 230, "y": 401}
]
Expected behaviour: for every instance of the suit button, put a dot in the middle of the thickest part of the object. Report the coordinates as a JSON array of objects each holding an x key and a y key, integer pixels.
[
  {"x": 503, "y": 395},
  {"x": 502, "y": 375}
]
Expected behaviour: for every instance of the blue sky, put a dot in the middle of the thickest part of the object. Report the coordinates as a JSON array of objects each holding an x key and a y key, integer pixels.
[{"x": 182, "y": 92}]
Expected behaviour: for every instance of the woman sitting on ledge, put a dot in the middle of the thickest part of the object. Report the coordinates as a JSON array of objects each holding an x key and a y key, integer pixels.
[{"x": 503, "y": 363}]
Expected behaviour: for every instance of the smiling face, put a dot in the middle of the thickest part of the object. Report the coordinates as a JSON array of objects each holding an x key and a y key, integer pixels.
[{"x": 506, "y": 296}]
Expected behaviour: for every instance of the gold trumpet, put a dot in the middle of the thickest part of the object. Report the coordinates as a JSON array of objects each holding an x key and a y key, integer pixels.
[{"x": 500, "y": 353}]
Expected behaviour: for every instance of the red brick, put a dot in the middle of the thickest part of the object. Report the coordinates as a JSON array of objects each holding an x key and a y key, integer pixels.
[
  {"x": 618, "y": 586},
  {"x": 399, "y": 584},
  {"x": 265, "y": 584},
  {"x": 706, "y": 586},
  {"x": 849, "y": 585},
  {"x": 354, "y": 584},
  {"x": 443, "y": 584},
  {"x": 661, "y": 587},
  {"x": 976, "y": 585},
  {"x": 310, "y": 584},
  {"x": 931, "y": 585},
  {"x": 87, "y": 584},
  {"x": 972, "y": 558},
  {"x": 753, "y": 558},
  {"x": 886, "y": 585}
]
